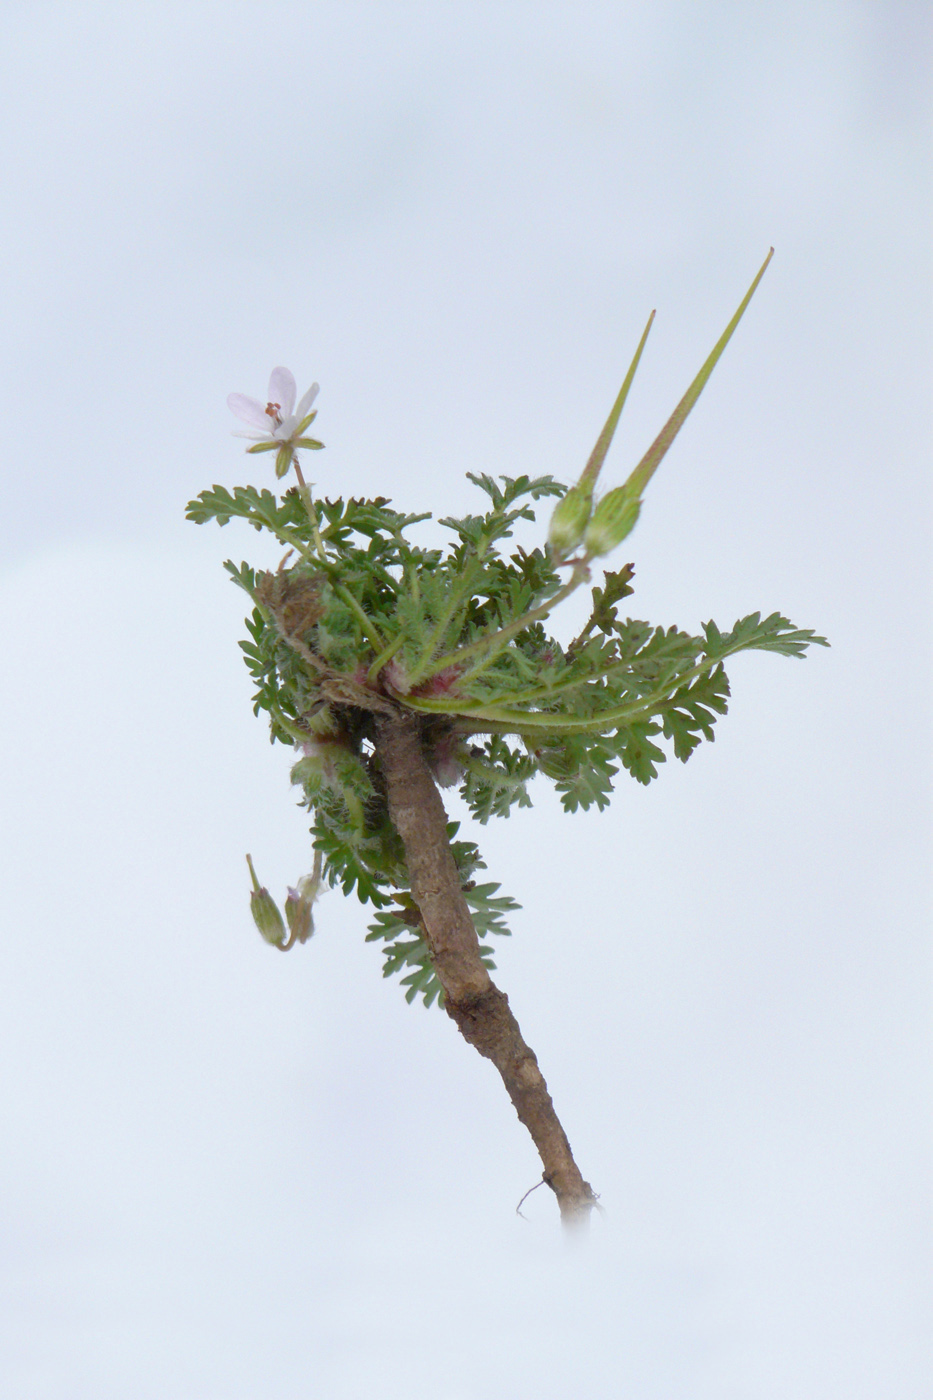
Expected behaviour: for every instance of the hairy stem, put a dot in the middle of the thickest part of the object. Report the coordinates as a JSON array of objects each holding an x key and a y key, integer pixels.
[{"x": 472, "y": 1000}]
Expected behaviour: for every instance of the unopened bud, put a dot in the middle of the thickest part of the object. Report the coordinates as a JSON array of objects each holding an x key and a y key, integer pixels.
[
  {"x": 265, "y": 911},
  {"x": 612, "y": 520},
  {"x": 569, "y": 520},
  {"x": 298, "y": 911}
]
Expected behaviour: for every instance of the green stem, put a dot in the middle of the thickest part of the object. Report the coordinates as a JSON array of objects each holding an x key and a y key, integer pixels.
[
  {"x": 300, "y": 735},
  {"x": 286, "y": 536},
  {"x": 304, "y": 492},
  {"x": 375, "y": 639},
  {"x": 383, "y": 658}
]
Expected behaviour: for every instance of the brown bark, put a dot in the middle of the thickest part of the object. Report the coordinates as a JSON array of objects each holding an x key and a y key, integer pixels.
[{"x": 472, "y": 1000}]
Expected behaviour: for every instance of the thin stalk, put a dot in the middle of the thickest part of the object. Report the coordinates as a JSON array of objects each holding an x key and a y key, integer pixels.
[
  {"x": 286, "y": 537},
  {"x": 373, "y": 636},
  {"x": 384, "y": 657},
  {"x": 300, "y": 735},
  {"x": 304, "y": 491}
]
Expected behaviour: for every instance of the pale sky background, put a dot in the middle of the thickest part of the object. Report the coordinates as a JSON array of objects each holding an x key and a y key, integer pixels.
[{"x": 230, "y": 1175}]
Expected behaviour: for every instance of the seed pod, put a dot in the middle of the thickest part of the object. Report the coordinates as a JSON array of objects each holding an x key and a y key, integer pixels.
[
  {"x": 265, "y": 911},
  {"x": 569, "y": 520},
  {"x": 612, "y": 520}
]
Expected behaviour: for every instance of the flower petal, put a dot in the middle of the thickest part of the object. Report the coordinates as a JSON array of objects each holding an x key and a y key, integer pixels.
[
  {"x": 283, "y": 389},
  {"x": 249, "y": 410},
  {"x": 286, "y": 428},
  {"x": 307, "y": 400}
]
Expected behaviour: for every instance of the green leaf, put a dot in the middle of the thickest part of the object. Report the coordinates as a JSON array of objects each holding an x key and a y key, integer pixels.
[
  {"x": 690, "y": 714},
  {"x": 404, "y": 947},
  {"x": 775, "y": 633},
  {"x": 639, "y": 755}
]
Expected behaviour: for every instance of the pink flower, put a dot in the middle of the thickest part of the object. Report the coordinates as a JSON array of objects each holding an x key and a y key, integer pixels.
[{"x": 281, "y": 425}]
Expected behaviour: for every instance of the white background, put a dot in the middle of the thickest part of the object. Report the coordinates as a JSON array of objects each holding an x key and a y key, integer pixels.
[{"x": 228, "y": 1174}]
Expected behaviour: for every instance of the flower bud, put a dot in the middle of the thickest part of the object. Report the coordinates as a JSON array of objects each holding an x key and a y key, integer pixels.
[
  {"x": 265, "y": 911},
  {"x": 298, "y": 911},
  {"x": 612, "y": 520},
  {"x": 569, "y": 520}
]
